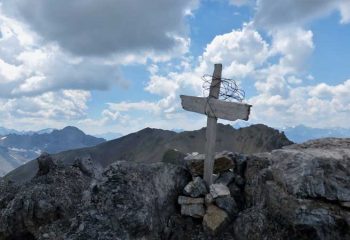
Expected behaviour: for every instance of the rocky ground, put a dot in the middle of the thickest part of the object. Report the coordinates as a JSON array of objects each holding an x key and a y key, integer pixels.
[{"x": 298, "y": 192}]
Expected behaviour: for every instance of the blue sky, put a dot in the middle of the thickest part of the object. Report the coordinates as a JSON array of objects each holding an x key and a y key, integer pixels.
[{"x": 120, "y": 66}]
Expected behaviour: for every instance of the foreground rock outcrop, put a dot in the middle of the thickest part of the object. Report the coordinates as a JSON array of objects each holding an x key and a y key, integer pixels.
[
  {"x": 125, "y": 201},
  {"x": 298, "y": 192}
]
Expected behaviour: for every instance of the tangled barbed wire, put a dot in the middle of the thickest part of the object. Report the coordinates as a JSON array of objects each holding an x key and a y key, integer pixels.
[{"x": 229, "y": 89}]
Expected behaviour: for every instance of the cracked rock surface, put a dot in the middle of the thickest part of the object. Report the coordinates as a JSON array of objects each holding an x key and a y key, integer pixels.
[
  {"x": 297, "y": 192},
  {"x": 128, "y": 201}
]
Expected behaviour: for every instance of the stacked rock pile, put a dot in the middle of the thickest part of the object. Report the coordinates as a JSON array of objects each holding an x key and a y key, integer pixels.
[{"x": 219, "y": 203}]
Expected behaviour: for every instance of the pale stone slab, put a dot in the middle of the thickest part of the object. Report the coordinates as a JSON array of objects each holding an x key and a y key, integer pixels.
[
  {"x": 214, "y": 219},
  {"x": 193, "y": 210},
  {"x": 219, "y": 190}
]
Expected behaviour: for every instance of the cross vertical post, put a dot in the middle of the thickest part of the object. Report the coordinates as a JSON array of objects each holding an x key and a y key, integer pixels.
[{"x": 211, "y": 127}]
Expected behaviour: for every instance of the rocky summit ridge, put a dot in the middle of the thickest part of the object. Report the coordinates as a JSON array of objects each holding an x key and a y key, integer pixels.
[
  {"x": 297, "y": 192},
  {"x": 149, "y": 145}
]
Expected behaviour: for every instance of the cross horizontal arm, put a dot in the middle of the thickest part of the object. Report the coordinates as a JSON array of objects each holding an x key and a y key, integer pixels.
[{"x": 216, "y": 108}]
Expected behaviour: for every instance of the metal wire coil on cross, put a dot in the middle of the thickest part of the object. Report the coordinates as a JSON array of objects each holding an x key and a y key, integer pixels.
[{"x": 229, "y": 90}]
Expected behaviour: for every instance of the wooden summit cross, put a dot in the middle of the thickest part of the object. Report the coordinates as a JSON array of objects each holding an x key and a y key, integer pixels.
[{"x": 214, "y": 109}]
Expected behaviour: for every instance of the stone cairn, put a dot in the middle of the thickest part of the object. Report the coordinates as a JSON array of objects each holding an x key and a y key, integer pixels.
[{"x": 219, "y": 203}]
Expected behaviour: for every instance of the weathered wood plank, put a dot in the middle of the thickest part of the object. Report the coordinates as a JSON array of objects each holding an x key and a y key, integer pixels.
[
  {"x": 216, "y": 108},
  {"x": 214, "y": 90},
  {"x": 211, "y": 127},
  {"x": 210, "y": 150}
]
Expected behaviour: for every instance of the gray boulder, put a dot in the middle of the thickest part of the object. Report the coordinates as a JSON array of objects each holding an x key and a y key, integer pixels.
[
  {"x": 46, "y": 164},
  {"x": 228, "y": 204},
  {"x": 88, "y": 166},
  {"x": 174, "y": 156},
  {"x": 195, "y": 188},
  {"x": 225, "y": 178},
  {"x": 223, "y": 161},
  {"x": 299, "y": 190}
]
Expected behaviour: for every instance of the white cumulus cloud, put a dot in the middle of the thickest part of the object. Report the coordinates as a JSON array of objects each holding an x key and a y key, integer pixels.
[
  {"x": 45, "y": 110},
  {"x": 28, "y": 70}
]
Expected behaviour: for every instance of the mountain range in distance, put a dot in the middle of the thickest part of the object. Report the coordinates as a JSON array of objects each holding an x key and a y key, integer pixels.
[
  {"x": 302, "y": 133},
  {"x": 297, "y": 134},
  {"x": 6, "y": 131},
  {"x": 150, "y": 145},
  {"x": 18, "y": 148}
]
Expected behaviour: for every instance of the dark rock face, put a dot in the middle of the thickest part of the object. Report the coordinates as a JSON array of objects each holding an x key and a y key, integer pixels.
[
  {"x": 174, "y": 156},
  {"x": 228, "y": 204},
  {"x": 225, "y": 178},
  {"x": 133, "y": 201},
  {"x": 298, "y": 192},
  {"x": 51, "y": 197},
  {"x": 128, "y": 201}
]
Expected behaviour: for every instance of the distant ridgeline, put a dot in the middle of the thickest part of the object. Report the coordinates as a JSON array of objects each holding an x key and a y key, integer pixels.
[
  {"x": 149, "y": 145},
  {"x": 17, "y": 147},
  {"x": 301, "y": 133}
]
